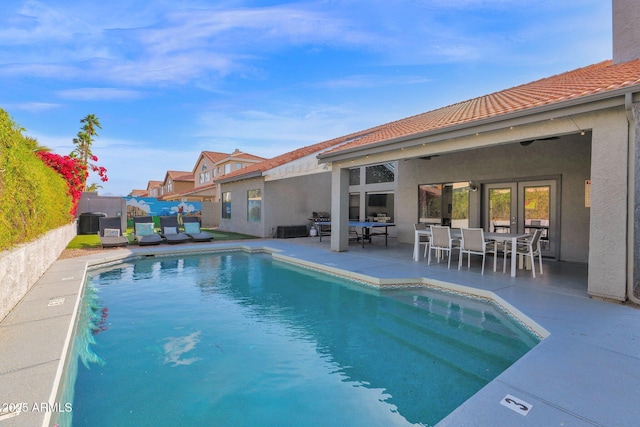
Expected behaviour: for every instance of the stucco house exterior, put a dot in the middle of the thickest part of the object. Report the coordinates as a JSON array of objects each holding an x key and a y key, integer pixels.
[
  {"x": 559, "y": 153},
  {"x": 210, "y": 166},
  {"x": 282, "y": 191},
  {"x": 154, "y": 188},
  {"x": 174, "y": 184}
]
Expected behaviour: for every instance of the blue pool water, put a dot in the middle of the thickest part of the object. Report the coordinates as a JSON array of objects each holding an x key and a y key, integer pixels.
[{"x": 235, "y": 339}]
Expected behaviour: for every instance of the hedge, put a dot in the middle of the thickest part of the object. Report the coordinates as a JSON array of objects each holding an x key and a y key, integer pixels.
[{"x": 33, "y": 197}]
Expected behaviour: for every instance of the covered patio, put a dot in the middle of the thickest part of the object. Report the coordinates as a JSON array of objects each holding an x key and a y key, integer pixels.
[
  {"x": 376, "y": 259},
  {"x": 575, "y": 141}
]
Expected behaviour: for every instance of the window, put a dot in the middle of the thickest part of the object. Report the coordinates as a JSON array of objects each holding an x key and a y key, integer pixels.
[
  {"x": 380, "y": 173},
  {"x": 254, "y": 205},
  {"x": 226, "y": 205},
  {"x": 380, "y": 207},
  {"x": 238, "y": 165},
  {"x": 354, "y": 206},
  {"x": 354, "y": 176},
  {"x": 445, "y": 204},
  {"x": 227, "y": 168}
]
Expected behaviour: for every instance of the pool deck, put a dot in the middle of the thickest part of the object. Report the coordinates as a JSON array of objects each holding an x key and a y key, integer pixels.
[{"x": 586, "y": 372}]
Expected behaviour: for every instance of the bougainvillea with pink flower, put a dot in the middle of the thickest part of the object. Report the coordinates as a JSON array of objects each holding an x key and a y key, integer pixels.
[{"x": 72, "y": 170}]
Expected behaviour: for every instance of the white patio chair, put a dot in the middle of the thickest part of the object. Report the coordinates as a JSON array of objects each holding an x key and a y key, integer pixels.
[
  {"x": 473, "y": 242},
  {"x": 441, "y": 241},
  {"x": 529, "y": 247},
  {"x": 423, "y": 240}
]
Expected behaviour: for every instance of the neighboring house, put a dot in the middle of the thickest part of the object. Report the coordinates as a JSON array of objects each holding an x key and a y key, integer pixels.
[
  {"x": 559, "y": 153},
  {"x": 281, "y": 191},
  {"x": 212, "y": 165},
  {"x": 154, "y": 189},
  {"x": 138, "y": 193},
  {"x": 175, "y": 183}
]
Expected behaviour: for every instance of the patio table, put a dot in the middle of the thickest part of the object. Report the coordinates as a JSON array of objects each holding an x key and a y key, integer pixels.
[{"x": 497, "y": 237}]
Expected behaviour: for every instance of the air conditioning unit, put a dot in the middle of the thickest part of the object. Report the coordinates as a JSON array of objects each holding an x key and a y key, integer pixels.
[{"x": 289, "y": 231}]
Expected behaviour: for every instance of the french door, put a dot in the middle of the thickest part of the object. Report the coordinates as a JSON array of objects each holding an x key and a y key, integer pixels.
[{"x": 523, "y": 207}]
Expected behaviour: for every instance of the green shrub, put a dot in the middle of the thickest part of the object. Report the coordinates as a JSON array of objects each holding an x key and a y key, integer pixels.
[{"x": 33, "y": 197}]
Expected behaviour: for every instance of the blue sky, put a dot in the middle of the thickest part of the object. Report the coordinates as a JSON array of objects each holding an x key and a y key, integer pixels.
[{"x": 169, "y": 79}]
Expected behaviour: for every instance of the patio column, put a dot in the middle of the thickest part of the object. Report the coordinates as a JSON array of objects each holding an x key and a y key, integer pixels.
[
  {"x": 339, "y": 209},
  {"x": 635, "y": 266},
  {"x": 608, "y": 217}
]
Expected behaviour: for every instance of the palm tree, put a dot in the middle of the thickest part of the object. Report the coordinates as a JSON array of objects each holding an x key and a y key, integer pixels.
[{"x": 85, "y": 138}]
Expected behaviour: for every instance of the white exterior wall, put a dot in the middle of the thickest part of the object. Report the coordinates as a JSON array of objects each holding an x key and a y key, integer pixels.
[
  {"x": 289, "y": 201},
  {"x": 238, "y": 222}
]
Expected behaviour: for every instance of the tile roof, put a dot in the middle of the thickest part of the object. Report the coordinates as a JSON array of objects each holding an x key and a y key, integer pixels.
[
  {"x": 152, "y": 184},
  {"x": 289, "y": 157},
  {"x": 217, "y": 157},
  {"x": 590, "y": 80},
  {"x": 593, "y": 79},
  {"x": 180, "y": 175}
]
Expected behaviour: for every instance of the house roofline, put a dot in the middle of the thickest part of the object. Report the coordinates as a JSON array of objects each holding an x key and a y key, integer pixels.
[
  {"x": 608, "y": 99},
  {"x": 249, "y": 175}
]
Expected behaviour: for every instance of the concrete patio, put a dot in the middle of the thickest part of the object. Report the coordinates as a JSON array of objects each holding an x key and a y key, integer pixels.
[{"x": 585, "y": 373}]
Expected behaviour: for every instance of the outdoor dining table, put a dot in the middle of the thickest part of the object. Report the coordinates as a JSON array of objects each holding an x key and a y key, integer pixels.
[{"x": 456, "y": 234}]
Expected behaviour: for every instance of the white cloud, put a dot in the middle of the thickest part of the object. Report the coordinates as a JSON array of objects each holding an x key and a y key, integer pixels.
[
  {"x": 371, "y": 81},
  {"x": 98, "y": 93},
  {"x": 33, "y": 107}
]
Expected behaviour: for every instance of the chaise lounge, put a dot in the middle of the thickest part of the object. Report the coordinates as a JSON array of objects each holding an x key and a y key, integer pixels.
[
  {"x": 192, "y": 229},
  {"x": 111, "y": 232},
  {"x": 144, "y": 231},
  {"x": 169, "y": 230}
]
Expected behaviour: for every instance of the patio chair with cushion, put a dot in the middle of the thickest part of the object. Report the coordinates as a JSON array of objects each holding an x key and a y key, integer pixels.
[
  {"x": 191, "y": 226},
  {"x": 169, "y": 229},
  {"x": 111, "y": 232},
  {"x": 441, "y": 241},
  {"x": 144, "y": 231},
  {"x": 529, "y": 247},
  {"x": 473, "y": 243}
]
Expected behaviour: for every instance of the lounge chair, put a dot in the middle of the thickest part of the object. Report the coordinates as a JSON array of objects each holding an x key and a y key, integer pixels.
[
  {"x": 169, "y": 230},
  {"x": 111, "y": 232},
  {"x": 191, "y": 226},
  {"x": 144, "y": 231}
]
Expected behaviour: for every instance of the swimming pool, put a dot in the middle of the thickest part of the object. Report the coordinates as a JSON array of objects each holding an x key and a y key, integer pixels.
[{"x": 243, "y": 339}]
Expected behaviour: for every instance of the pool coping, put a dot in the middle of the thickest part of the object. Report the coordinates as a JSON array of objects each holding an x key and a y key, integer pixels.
[{"x": 32, "y": 375}]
